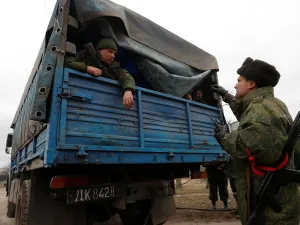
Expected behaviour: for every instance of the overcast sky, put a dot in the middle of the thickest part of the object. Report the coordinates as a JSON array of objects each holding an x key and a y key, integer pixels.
[{"x": 230, "y": 30}]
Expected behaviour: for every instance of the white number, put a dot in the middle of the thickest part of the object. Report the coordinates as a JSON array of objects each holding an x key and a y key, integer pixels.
[
  {"x": 101, "y": 193},
  {"x": 106, "y": 192},
  {"x": 112, "y": 191},
  {"x": 79, "y": 196},
  {"x": 95, "y": 193}
]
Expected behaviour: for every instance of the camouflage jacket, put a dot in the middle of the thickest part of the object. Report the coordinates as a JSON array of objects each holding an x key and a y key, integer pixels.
[
  {"x": 263, "y": 123},
  {"x": 112, "y": 71}
]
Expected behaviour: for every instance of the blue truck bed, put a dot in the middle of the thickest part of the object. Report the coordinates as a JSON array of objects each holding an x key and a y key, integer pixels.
[{"x": 89, "y": 125}]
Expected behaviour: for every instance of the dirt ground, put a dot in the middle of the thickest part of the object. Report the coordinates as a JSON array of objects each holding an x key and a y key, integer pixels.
[
  {"x": 3, "y": 219},
  {"x": 193, "y": 197},
  {"x": 194, "y": 207}
]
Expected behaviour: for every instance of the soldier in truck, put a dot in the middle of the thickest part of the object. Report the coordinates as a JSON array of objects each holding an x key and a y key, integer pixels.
[{"x": 105, "y": 66}]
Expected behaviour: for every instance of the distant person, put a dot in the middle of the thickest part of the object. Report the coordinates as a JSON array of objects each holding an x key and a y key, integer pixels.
[
  {"x": 106, "y": 53},
  {"x": 196, "y": 96},
  {"x": 217, "y": 183}
]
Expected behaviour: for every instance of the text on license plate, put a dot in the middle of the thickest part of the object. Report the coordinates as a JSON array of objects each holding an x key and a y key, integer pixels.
[{"x": 94, "y": 193}]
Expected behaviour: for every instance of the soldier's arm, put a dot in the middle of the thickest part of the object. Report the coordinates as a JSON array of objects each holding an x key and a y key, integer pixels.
[
  {"x": 258, "y": 136},
  {"x": 126, "y": 80},
  {"x": 233, "y": 103},
  {"x": 228, "y": 98},
  {"x": 75, "y": 64}
]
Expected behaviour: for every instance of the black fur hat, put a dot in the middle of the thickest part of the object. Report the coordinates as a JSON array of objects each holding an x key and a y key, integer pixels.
[{"x": 259, "y": 71}]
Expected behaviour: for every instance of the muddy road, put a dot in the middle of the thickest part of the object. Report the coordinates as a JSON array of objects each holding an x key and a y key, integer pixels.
[{"x": 3, "y": 218}]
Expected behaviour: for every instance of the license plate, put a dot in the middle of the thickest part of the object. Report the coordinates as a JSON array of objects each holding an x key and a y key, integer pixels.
[{"x": 94, "y": 193}]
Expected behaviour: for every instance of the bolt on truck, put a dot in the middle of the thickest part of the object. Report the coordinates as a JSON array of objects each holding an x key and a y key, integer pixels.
[{"x": 77, "y": 155}]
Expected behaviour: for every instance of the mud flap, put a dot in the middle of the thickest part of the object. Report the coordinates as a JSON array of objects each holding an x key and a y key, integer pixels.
[
  {"x": 162, "y": 209},
  {"x": 14, "y": 189},
  {"x": 119, "y": 203},
  {"x": 44, "y": 210}
]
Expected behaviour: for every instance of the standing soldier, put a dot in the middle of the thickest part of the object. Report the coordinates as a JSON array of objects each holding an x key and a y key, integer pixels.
[
  {"x": 262, "y": 134},
  {"x": 217, "y": 181}
]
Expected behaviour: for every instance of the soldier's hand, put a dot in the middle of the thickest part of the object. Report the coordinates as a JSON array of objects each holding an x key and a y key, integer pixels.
[
  {"x": 94, "y": 71},
  {"x": 221, "y": 128},
  {"x": 219, "y": 90},
  {"x": 219, "y": 136},
  {"x": 128, "y": 99},
  {"x": 188, "y": 96},
  {"x": 220, "y": 132}
]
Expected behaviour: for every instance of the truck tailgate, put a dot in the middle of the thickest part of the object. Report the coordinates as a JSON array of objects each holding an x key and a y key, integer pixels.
[{"x": 159, "y": 127}]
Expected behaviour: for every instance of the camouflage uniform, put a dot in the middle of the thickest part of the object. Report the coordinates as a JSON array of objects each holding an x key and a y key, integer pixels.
[
  {"x": 111, "y": 71},
  {"x": 263, "y": 123}
]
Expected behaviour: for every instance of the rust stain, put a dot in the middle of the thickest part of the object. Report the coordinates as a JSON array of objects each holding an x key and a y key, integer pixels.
[{"x": 205, "y": 141}]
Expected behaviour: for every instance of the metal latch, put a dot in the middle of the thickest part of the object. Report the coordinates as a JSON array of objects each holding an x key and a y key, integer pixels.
[
  {"x": 82, "y": 151},
  {"x": 82, "y": 95},
  {"x": 171, "y": 155}
]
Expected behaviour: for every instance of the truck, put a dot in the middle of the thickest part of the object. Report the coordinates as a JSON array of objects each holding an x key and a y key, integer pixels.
[{"x": 77, "y": 155}]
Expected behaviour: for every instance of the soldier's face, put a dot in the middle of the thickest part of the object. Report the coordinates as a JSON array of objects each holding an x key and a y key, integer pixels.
[
  {"x": 107, "y": 55},
  {"x": 198, "y": 95},
  {"x": 243, "y": 87}
]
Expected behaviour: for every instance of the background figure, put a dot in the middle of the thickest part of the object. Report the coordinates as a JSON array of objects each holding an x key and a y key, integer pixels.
[
  {"x": 196, "y": 96},
  {"x": 217, "y": 182}
]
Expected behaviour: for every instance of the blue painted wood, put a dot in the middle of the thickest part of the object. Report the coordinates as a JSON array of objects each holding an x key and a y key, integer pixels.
[
  {"x": 188, "y": 112},
  {"x": 115, "y": 157},
  {"x": 156, "y": 127},
  {"x": 141, "y": 119}
]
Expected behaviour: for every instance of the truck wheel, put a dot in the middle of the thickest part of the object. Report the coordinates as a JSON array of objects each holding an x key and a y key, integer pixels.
[
  {"x": 23, "y": 201},
  {"x": 11, "y": 210},
  {"x": 137, "y": 214}
]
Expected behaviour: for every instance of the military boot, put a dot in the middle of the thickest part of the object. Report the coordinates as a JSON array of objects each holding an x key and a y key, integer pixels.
[
  {"x": 213, "y": 204},
  {"x": 225, "y": 204}
]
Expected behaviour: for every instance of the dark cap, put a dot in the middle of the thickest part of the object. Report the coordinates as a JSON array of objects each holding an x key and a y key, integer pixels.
[
  {"x": 107, "y": 43},
  {"x": 264, "y": 74}
]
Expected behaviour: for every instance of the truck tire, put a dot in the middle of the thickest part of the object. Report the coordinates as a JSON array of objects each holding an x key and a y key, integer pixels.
[
  {"x": 11, "y": 210},
  {"x": 23, "y": 200},
  {"x": 137, "y": 214}
]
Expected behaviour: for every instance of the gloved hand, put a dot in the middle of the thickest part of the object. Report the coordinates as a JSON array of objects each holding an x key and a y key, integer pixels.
[
  {"x": 219, "y": 90},
  {"x": 221, "y": 128},
  {"x": 219, "y": 136},
  {"x": 220, "y": 132}
]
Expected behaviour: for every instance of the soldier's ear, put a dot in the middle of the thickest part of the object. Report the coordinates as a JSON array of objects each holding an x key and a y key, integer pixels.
[{"x": 251, "y": 84}]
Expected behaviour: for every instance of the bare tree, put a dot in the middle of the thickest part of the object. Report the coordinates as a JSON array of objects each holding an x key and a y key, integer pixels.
[{"x": 4, "y": 170}]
